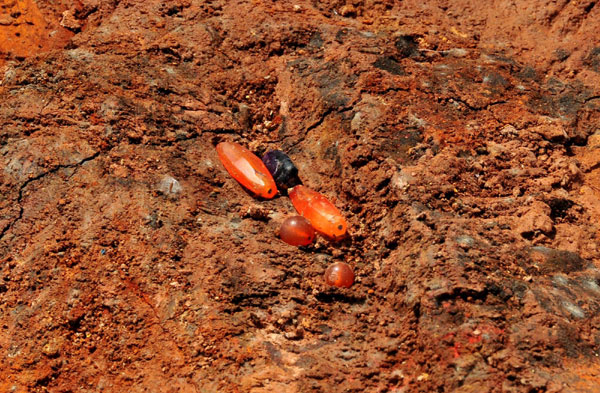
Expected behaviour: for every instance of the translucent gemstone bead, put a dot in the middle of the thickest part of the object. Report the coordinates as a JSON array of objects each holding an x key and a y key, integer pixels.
[
  {"x": 245, "y": 167},
  {"x": 322, "y": 214},
  {"x": 340, "y": 275},
  {"x": 282, "y": 168},
  {"x": 297, "y": 231}
]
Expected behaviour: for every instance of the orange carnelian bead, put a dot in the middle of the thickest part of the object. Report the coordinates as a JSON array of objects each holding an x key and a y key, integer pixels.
[
  {"x": 247, "y": 169},
  {"x": 322, "y": 214},
  {"x": 297, "y": 231},
  {"x": 339, "y": 275}
]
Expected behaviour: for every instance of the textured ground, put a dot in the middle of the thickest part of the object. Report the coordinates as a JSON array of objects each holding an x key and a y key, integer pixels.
[{"x": 461, "y": 142}]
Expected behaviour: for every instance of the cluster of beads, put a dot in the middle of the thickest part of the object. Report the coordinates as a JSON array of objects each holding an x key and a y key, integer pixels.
[{"x": 277, "y": 171}]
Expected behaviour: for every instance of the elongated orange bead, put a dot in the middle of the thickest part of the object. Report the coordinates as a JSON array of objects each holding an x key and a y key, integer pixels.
[
  {"x": 247, "y": 169},
  {"x": 339, "y": 275},
  {"x": 322, "y": 214},
  {"x": 297, "y": 231}
]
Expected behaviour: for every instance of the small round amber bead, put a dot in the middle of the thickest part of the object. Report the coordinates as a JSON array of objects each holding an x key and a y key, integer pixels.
[
  {"x": 297, "y": 231},
  {"x": 339, "y": 274}
]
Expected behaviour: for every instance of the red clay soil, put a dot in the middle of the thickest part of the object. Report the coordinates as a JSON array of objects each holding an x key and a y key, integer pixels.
[
  {"x": 460, "y": 139},
  {"x": 28, "y": 28}
]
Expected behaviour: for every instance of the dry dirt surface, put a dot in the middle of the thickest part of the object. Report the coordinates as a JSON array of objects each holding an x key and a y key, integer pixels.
[{"x": 461, "y": 139}]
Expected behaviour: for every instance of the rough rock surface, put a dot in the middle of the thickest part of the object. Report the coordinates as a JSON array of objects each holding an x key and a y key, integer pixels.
[{"x": 461, "y": 141}]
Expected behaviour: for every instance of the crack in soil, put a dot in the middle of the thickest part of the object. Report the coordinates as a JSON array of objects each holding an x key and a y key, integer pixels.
[
  {"x": 321, "y": 120},
  {"x": 591, "y": 99},
  {"x": 474, "y": 108},
  {"x": 135, "y": 288},
  {"x": 36, "y": 178}
]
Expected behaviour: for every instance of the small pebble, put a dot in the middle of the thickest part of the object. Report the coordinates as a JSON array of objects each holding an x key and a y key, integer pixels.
[{"x": 169, "y": 186}]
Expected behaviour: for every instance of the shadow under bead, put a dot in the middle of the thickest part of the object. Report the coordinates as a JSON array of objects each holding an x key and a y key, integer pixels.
[{"x": 282, "y": 169}]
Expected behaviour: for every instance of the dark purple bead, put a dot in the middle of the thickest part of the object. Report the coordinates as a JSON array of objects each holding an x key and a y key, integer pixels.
[{"x": 282, "y": 169}]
